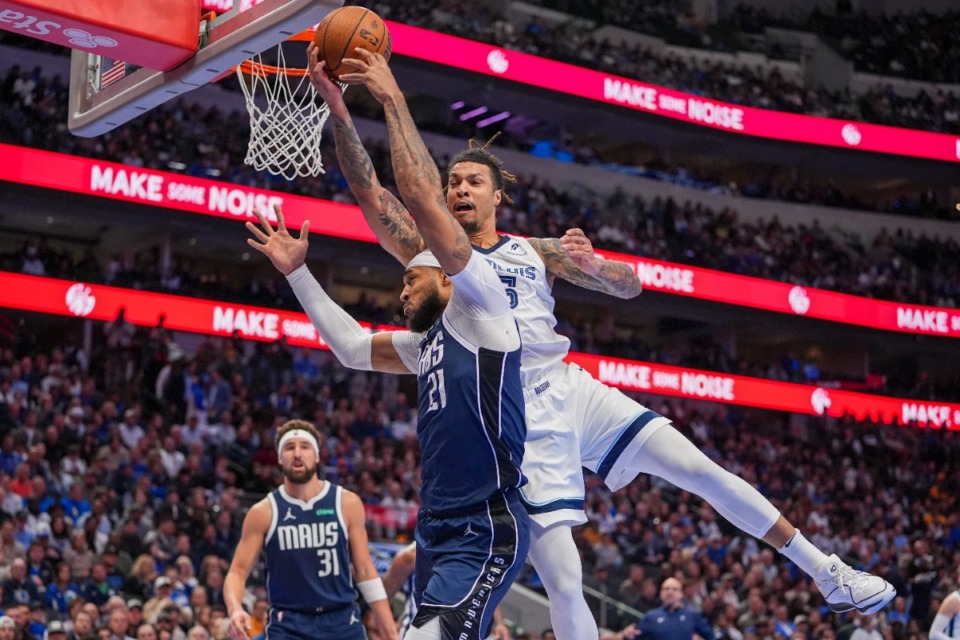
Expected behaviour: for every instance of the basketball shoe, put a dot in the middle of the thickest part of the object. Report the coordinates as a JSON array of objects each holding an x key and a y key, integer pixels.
[{"x": 844, "y": 588}]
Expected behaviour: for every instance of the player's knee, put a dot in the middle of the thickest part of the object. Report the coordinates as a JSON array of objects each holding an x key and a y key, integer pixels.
[{"x": 563, "y": 580}]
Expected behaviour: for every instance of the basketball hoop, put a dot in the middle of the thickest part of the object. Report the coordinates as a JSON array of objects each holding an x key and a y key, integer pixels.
[{"x": 285, "y": 132}]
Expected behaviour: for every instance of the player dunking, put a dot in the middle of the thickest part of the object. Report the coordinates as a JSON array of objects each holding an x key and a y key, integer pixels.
[
  {"x": 572, "y": 418},
  {"x": 311, "y": 533},
  {"x": 472, "y": 529}
]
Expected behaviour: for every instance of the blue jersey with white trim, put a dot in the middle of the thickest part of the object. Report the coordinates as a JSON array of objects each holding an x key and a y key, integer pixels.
[
  {"x": 471, "y": 420},
  {"x": 308, "y": 552}
]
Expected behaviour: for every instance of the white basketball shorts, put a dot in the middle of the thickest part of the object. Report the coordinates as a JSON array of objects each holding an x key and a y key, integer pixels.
[{"x": 575, "y": 421}]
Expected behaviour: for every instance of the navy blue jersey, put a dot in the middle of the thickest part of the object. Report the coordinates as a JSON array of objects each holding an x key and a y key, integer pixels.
[
  {"x": 471, "y": 421},
  {"x": 308, "y": 553}
]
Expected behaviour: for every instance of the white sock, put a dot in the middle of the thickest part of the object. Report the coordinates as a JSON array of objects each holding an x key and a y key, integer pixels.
[{"x": 803, "y": 554}]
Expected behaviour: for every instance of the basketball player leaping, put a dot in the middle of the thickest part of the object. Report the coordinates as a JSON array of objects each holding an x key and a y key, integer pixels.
[
  {"x": 472, "y": 530},
  {"x": 572, "y": 419},
  {"x": 311, "y": 532}
]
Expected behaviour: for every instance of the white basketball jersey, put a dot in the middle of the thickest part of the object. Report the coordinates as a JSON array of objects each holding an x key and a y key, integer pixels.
[{"x": 525, "y": 278}]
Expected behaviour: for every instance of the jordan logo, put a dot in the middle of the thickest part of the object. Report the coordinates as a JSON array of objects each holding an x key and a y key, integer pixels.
[
  {"x": 469, "y": 531},
  {"x": 353, "y": 617},
  {"x": 289, "y": 515}
]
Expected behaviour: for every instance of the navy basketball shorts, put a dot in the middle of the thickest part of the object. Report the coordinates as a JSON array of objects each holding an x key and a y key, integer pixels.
[
  {"x": 339, "y": 624},
  {"x": 466, "y": 562}
]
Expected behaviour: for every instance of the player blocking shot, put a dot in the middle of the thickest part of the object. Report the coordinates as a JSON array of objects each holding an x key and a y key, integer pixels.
[
  {"x": 313, "y": 537},
  {"x": 573, "y": 419}
]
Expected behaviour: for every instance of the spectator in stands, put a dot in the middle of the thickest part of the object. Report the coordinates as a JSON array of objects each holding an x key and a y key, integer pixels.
[
  {"x": 18, "y": 588},
  {"x": 7, "y": 628},
  {"x": 671, "y": 621}
]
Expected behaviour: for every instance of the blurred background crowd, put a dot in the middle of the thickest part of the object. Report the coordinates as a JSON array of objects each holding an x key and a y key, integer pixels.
[{"x": 128, "y": 457}]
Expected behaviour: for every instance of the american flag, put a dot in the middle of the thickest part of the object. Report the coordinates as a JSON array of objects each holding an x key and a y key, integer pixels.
[{"x": 111, "y": 70}]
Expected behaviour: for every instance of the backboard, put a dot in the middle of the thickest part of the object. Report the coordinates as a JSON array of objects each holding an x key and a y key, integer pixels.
[{"x": 105, "y": 93}]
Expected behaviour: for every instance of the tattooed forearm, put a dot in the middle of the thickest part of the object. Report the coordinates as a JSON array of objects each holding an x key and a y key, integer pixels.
[
  {"x": 395, "y": 218},
  {"x": 353, "y": 157},
  {"x": 413, "y": 166},
  {"x": 621, "y": 281},
  {"x": 615, "y": 278}
]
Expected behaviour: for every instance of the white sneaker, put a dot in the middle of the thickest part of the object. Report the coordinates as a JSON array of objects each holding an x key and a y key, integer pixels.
[{"x": 844, "y": 588}]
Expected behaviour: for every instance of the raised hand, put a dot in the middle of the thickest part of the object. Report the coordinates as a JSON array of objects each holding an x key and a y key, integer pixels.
[
  {"x": 285, "y": 252},
  {"x": 372, "y": 71},
  {"x": 578, "y": 247}
]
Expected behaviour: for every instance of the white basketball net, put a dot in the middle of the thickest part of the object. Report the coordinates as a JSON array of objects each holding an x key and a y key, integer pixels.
[{"x": 284, "y": 134}]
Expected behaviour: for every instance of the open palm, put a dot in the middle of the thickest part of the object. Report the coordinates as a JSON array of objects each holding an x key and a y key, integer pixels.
[{"x": 285, "y": 252}]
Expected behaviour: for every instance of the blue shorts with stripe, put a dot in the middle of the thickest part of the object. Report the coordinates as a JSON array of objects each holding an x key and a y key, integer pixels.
[
  {"x": 466, "y": 562},
  {"x": 339, "y": 624}
]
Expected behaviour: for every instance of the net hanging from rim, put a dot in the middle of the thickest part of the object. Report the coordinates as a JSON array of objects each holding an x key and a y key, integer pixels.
[{"x": 285, "y": 132}]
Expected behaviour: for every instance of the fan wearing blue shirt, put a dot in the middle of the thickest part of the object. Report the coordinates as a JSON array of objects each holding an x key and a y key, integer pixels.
[{"x": 671, "y": 620}]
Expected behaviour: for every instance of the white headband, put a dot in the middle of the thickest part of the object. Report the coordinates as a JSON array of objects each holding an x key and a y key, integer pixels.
[
  {"x": 298, "y": 433},
  {"x": 423, "y": 259}
]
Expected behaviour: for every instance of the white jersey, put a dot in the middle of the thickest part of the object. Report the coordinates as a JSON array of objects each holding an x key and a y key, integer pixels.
[{"x": 524, "y": 276}]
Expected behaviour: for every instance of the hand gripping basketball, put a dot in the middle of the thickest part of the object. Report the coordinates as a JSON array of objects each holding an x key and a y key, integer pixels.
[
  {"x": 346, "y": 29},
  {"x": 371, "y": 70}
]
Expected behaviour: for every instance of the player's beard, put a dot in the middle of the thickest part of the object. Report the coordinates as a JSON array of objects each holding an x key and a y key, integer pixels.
[
  {"x": 427, "y": 313},
  {"x": 300, "y": 476},
  {"x": 470, "y": 227}
]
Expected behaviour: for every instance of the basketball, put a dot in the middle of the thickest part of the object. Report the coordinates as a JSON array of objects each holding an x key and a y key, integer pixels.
[{"x": 343, "y": 30}]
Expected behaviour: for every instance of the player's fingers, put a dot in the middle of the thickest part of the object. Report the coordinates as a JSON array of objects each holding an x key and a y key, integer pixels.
[
  {"x": 305, "y": 230},
  {"x": 311, "y": 56},
  {"x": 260, "y": 235},
  {"x": 281, "y": 225},
  {"x": 356, "y": 63},
  {"x": 351, "y": 78},
  {"x": 264, "y": 223},
  {"x": 256, "y": 245},
  {"x": 365, "y": 54}
]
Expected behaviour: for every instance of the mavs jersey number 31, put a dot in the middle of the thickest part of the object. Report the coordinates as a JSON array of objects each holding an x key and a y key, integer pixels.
[{"x": 307, "y": 553}]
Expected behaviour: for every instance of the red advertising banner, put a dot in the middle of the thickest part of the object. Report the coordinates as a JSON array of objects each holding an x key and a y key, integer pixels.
[
  {"x": 175, "y": 191},
  {"x": 208, "y": 317},
  {"x": 523, "y": 68},
  {"x": 542, "y": 73},
  {"x": 209, "y": 197}
]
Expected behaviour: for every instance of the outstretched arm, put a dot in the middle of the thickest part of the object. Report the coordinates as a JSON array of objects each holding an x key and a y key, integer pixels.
[
  {"x": 353, "y": 347},
  {"x": 384, "y": 213},
  {"x": 572, "y": 259},
  {"x": 417, "y": 175}
]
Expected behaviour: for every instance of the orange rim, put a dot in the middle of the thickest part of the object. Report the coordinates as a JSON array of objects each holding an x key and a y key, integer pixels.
[
  {"x": 258, "y": 69},
  {"x": 263, "y": 70}
]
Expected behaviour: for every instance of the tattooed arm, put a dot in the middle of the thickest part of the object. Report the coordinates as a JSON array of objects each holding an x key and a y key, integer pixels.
[
  {"x": 572, "y": 259},
  {"x": 385, "y": 214},
  {"x": 416, "y": 172}
]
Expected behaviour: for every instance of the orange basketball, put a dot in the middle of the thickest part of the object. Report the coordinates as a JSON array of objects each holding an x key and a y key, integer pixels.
[{"x": 343, "y": 30}]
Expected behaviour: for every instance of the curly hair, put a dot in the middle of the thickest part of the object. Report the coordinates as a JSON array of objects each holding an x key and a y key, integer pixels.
[{"x": 479, "y": 154}]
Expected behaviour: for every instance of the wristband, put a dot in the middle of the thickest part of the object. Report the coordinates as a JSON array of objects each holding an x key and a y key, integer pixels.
[{"x": 372, "y": 590}]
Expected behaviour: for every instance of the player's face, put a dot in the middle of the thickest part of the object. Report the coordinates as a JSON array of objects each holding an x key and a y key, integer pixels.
[
  {"x": 471, "y": 195},
  {"x": 422, "y": 298},
  {"x": 298, "y": 460}
]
